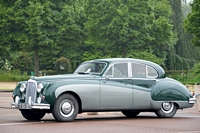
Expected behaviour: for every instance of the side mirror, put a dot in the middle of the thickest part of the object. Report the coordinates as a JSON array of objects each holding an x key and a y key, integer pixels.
[{"x": 107, "y": 77}]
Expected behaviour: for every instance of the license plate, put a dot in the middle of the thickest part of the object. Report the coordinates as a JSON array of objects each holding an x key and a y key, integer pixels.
[{"x": 24, "y": 106}]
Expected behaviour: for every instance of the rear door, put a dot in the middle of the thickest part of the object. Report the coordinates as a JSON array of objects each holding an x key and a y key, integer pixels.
[{"x": 143, "y": 77}]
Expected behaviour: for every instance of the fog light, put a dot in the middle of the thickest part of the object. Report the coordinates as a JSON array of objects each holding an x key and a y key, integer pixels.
[
  {"x": 39, "y": 100},
  {"x": 16, "y": 99}
]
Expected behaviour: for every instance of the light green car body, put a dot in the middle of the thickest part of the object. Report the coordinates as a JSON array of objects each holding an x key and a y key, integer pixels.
[{"x": 97, "y": 92}]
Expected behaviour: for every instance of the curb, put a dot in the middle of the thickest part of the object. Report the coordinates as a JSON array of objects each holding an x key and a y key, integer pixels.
[{"x": 6, "y": 90}]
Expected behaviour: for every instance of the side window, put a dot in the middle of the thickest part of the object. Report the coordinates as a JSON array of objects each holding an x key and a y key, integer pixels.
[
  {"x": 143, "y": 71},
  {"x": 139, "y": 70},
  {"x": 152, "y": 73},
  {"x": 118, "y": 70}
]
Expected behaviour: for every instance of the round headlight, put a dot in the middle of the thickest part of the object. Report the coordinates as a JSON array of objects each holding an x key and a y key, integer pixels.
[
  {"x": 39, "y": 87},
  {"x": 22, "y": 87}
]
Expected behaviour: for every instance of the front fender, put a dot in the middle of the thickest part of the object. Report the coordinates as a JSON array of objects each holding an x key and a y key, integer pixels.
[
  {"x": 86, "y": 90},
  {"x": 170, "y": 90}
]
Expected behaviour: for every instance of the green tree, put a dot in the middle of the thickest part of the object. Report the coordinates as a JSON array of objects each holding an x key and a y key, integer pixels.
[
  {"x": 119, "y": 27},
  {"x": 39, "y": 26},
  {"x": 62, "y": 65},
  {"x": 192, "y": 22},
  {"x": 4, "y": 49},
  {"x": 22, "y": 61},
  {"x": 182, "y": 55}
]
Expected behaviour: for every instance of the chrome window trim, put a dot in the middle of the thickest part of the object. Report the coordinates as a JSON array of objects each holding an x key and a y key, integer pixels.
[
  {"x": 106, "y": 64},
  {"x": 151, "y": 77},
  {"x": 146, "y": 69},
  {"x": 111, "y": 65}
]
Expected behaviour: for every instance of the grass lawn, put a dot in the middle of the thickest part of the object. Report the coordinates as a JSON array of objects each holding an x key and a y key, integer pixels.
[{"x": 7, "y": 86}]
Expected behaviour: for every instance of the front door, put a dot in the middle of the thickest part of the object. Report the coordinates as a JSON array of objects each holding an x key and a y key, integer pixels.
[{"x": 116, "y": 88}]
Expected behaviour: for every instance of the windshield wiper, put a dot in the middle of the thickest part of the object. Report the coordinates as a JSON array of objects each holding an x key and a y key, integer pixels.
[{"x": 83, "y": 72}]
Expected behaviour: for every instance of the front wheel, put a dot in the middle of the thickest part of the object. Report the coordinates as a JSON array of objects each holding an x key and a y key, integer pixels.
[
  {"x": 65, "y": 108},
  {"x": 32, "y": 114},
  {"x": 168, "y": 110},
  {"x": 130, "y": 114}
]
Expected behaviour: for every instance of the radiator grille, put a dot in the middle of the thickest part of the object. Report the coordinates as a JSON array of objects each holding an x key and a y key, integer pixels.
[{"x": 31, "y": 92}]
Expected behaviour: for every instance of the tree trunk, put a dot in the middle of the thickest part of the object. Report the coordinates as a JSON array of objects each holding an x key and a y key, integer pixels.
[
  {"x": 123, "y": 52},
  {"x": 36, "y": 62}
]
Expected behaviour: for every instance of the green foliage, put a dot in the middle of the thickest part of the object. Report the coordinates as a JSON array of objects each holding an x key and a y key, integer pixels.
[
  {"x": 5, "y": 65},
  {"x": 91, "y": 29},
  {"x": 124, "y": 26},
  {"x": 48, "y": 72},
  {"x": 146, "y": 55},
  {"x": 182, "y": 55},
  {"x": 192, "y": 22},
  {"x": 40, "y": 25},
  {"x": 191, "y": 76},
  {"x": 62, "y": 65},
  {"x": 180, "y": 75},
  {"x": 196, "y": 69},
  {"x": 13, "y": 77},
  {"x": 22, "y": 61}
]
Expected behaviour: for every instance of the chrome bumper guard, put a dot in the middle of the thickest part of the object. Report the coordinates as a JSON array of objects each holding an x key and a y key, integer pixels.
[{"x": 193, "y": 100}]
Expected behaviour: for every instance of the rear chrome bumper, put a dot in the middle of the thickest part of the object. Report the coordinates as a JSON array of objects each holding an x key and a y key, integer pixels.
[{"x": 193, "y": 100}]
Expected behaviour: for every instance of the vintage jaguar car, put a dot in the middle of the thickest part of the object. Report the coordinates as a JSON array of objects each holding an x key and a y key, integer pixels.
[{"x": 116, "y": 84}]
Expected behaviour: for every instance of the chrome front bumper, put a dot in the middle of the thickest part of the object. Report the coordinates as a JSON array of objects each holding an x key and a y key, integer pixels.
[{"x": 29, "y": 105}]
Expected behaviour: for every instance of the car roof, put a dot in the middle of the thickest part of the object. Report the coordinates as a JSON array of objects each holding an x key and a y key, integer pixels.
[
  {"x": 112, "y": 60},
  {"x": 115, "y": 60}
]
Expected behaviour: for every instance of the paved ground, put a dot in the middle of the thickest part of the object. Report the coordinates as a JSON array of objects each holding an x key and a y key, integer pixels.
[
  {"x": 185, "y": 121},
  {"x": 6, "y": 100}
]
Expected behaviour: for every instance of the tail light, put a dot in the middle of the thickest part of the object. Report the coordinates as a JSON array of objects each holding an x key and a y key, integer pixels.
[{"x": 193, "y": 93}]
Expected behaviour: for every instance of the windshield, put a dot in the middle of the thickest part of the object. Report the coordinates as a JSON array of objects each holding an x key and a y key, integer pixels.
[{"x": 91, "y": 67}]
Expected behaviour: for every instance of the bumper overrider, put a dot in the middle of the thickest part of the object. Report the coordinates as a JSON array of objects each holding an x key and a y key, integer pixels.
[
  {"x": 29, "y": 105},
  {"x": 193, "y": 100}
]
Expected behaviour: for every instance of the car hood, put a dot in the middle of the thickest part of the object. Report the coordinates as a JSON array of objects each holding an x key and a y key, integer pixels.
[{"x": 64, "y": 77}]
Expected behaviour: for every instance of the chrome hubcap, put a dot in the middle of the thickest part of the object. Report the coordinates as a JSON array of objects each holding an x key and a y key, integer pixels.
[
  {"x": 66, "y": 108},
  {"x": 167, "y": 107}
]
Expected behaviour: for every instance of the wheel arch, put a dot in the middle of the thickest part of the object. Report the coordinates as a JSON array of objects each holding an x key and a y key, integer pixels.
[
  {"x": 77, "y": 98},
  {"x": 167, "y": 109}
]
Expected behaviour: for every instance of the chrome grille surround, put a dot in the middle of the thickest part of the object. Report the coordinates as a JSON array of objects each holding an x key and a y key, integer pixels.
[{"x": 31, "y": 91}]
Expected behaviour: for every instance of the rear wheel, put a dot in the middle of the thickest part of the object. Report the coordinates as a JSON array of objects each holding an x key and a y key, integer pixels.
[
  {"x": 65, "y": 108},
  {"x": 168, "y": 110},
  {"x": 130, "y": 114},
  {"x": 32, "y": 114}
]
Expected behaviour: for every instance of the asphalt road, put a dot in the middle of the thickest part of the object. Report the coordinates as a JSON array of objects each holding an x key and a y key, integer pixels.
[{"x": 186, "y": 121}]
